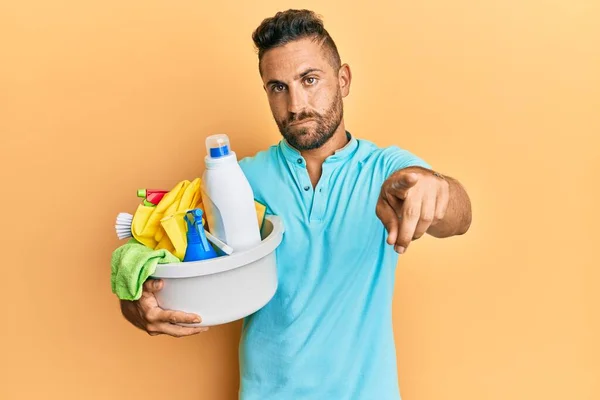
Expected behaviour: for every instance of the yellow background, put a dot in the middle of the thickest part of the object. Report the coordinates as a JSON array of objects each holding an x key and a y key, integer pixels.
[{"x": 100, "y": 98}]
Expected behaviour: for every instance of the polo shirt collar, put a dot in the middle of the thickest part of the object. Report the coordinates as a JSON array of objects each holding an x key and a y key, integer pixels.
[{"x": 293, "y": 155}]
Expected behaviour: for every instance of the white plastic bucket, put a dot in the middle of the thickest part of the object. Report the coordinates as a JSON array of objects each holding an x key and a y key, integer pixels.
[{"x": 227, "y": 288}]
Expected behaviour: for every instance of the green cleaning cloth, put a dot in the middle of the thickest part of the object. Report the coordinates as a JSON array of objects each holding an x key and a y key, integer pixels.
[{"x": 131, "y": 264}]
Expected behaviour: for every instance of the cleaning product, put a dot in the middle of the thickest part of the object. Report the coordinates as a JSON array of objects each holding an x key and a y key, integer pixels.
[
  {"x": 198, "y": 247},
  {"x": 162, "y": 226},
  {"x": 227, "y": 197},
  {"x": 151, "y": 197}
]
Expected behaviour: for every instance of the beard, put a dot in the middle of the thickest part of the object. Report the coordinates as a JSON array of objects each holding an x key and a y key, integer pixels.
[{"x": 306, "y": 137}]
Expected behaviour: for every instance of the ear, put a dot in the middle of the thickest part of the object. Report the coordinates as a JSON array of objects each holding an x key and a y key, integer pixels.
[{"x": 345, "y": 78}]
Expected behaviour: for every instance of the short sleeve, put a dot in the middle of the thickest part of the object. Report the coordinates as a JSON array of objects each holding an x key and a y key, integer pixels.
[{"x": 395, "y": 158}]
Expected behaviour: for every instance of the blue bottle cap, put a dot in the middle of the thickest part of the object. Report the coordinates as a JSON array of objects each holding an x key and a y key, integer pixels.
[{"x": 217, "y": 146}]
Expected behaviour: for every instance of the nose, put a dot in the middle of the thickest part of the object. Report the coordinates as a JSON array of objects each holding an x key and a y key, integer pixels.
[{"x": 297, "y": 100}]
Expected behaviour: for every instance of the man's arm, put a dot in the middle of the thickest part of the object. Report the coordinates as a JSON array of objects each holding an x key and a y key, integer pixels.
[
  {"x": 416, "y": 200},
  {"x": 457, "y": 218}
]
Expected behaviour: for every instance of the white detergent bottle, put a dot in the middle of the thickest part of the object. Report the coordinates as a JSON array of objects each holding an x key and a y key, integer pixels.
[{"x": 227, "y": 197}]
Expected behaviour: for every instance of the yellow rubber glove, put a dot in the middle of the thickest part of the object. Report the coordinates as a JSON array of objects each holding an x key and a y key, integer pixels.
[
  {"x": 176, "y": 229},
  {"x": 146, "y": 226}
]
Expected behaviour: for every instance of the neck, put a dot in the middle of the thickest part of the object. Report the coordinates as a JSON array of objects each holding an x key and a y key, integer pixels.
[{"x": 315, "y": 158}]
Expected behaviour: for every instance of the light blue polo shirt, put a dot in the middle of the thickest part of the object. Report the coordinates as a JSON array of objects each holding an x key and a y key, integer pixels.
[{"x": 327, "y": 332}]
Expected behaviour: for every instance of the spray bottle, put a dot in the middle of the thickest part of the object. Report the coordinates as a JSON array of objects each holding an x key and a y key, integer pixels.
[
  {"x": 151, "y": 197},
  {"x": 198, "y": 247}
]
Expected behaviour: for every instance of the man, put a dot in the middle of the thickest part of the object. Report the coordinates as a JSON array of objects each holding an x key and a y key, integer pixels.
[{"x": 349, "y": 209}]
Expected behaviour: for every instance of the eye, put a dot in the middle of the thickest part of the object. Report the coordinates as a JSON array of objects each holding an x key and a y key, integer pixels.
[
  {"x": 278, "y": 87},
  {"x": 311, "y": 80}
]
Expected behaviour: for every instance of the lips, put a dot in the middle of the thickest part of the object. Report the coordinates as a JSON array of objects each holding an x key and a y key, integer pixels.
[{"x": 301, "y": 122}]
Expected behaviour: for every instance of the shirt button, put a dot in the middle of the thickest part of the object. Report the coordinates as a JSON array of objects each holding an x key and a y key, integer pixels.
[
  {"x": 307, "y": 188},
  {"x": 299, "y": 161}
]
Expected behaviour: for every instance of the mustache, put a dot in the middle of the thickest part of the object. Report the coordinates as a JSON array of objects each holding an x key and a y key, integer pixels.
[{"x": 301, "y": 116}]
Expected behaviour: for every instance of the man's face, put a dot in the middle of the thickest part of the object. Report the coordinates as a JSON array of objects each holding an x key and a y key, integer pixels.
[{"x": 304, "y": 93}]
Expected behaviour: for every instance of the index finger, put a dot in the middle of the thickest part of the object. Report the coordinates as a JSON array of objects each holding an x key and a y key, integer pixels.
[
  {"x": 400, "y": 183},
  {"x": 403, "y": 180}
]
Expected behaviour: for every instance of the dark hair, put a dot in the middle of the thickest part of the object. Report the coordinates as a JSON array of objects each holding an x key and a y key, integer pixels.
[{"x": 288, "y": 26}]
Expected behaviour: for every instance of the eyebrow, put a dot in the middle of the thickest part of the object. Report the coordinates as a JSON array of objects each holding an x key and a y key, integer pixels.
[{"x": 300, "y": 75}]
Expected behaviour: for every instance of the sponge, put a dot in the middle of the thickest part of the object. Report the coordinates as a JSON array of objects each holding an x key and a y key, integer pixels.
[{"x": 261, "y": 211}]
